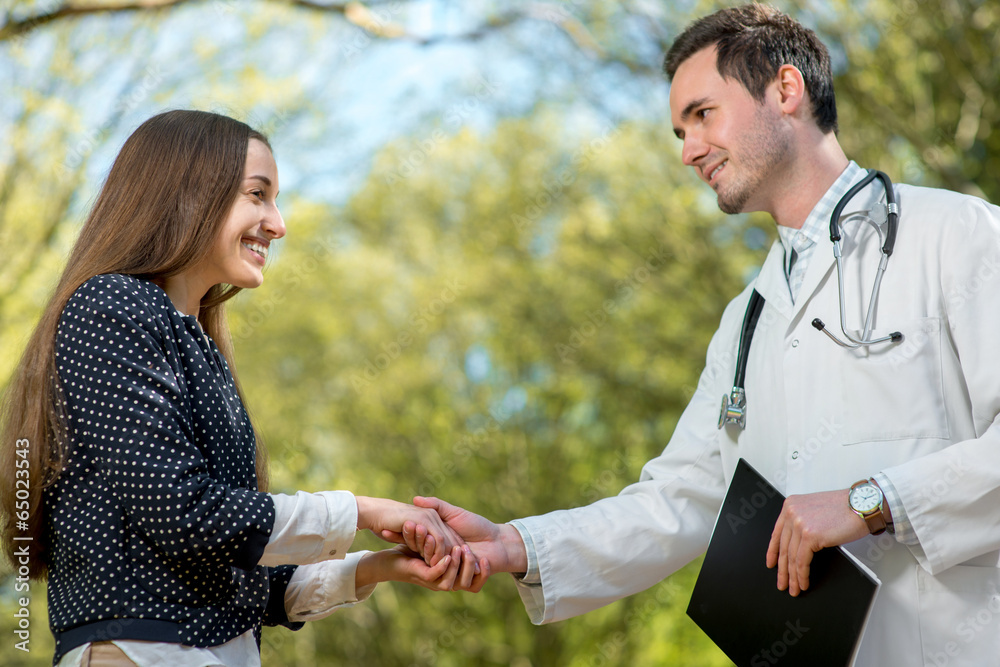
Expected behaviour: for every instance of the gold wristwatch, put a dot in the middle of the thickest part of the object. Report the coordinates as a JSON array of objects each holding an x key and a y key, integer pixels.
[{"x": 865, "y": 499}]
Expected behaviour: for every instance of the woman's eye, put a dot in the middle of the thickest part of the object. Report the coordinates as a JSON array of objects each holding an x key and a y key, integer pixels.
[{"x": 259, "y": 194}]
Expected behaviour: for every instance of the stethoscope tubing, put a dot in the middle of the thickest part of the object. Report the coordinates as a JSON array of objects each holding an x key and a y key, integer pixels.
[
  {"x": 892, "y": 225},
  {"x": 734, "y": 403}
]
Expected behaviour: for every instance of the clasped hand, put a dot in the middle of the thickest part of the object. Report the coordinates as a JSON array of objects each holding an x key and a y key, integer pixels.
[
  {"x": 430, "y": 552},
  {"x": 498, "y": 546}
]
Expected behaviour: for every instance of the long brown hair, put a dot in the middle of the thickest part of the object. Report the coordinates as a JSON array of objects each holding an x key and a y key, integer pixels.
[{"x": 165, "y": 200}]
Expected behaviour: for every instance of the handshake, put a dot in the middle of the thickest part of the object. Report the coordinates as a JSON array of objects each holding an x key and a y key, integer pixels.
[{"x": 440, "y": 546}]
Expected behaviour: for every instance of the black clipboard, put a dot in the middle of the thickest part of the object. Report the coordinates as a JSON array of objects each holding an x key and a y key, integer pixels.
[{"x": 736, "y": 601}]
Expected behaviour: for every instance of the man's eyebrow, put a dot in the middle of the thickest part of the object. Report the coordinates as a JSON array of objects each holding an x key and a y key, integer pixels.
[{"x": 689, "y": 109}]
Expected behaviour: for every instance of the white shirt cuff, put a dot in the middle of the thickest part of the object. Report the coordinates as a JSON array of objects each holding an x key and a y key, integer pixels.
[
  {"x": 532, "y": 577},
  {"x": 311, "y": 527},
  {"x": 901, "y": 525},
  {"x": 319, "y": 589}
]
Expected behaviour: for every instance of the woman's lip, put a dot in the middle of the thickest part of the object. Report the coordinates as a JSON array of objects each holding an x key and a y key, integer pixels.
[
  {"x": 257, "y": 258},
  {"x": 256, "y": 239}
]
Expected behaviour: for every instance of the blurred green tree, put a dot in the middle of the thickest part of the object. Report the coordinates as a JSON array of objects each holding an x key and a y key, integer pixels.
[{"x": 920, "y": 90}]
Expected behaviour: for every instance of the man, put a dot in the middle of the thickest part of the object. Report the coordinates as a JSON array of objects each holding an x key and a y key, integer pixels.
[{"x": 752, "y": 100}]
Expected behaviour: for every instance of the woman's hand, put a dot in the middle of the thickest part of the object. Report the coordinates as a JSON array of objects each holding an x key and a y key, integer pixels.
[
  {"x": 383, "y": 516},
  {"x": 402, "y": 564}
]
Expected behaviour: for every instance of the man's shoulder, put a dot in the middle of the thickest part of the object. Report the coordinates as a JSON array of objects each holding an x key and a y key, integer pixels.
[
  {"x": 945, "y": 215},
  {"x": 922, "y": 198}
]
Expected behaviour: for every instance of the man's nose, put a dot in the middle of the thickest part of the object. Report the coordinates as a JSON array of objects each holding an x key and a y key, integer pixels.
[{"x": 694, "y": 149}]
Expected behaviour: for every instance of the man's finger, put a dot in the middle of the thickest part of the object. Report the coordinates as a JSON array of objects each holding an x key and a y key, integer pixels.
[
  {"x": 484, "y": 573},
  {"x": 794, "y": 545},
  {"x": 468, "y": 571},
  {"x": 444, "y": 509},
  {"x": 774, "y": 546},
  {"x": 804, "y": 562}
]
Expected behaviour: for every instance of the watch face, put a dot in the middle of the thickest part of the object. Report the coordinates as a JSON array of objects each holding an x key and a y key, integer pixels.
[{"x": 865, "y": 498}]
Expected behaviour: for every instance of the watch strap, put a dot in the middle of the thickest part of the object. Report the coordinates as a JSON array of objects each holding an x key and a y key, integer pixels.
[{"x": 876, "y": 522}]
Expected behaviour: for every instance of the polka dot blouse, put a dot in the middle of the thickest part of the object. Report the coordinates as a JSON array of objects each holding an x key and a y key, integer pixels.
[{"x": 156, "y": 525}]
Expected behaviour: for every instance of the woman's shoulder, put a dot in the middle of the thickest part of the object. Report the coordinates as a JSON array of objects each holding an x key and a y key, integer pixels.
[
  {"x": 116, "y": 296},
  {"x": 117, "y": 290}
]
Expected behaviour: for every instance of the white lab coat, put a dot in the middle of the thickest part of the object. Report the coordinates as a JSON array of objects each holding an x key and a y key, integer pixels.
[{"x": 820, "y": 417}]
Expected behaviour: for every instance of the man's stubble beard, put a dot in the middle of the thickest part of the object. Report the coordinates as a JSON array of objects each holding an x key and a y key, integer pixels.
[{"x": 758, "y": 157}]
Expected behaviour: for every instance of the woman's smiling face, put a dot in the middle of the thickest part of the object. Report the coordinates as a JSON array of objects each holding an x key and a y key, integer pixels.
[{"x": 241, "y": 248}]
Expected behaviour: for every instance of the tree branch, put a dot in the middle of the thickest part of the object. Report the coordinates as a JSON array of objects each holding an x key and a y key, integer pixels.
[
  {"x": 357, "y": 13},
  {"x": 14, "y": 28}
]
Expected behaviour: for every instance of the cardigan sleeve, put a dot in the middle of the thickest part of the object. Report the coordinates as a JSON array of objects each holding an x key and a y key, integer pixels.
[
  {"x": 128, "y": 405},
  {"x": 275, "y": 613}
]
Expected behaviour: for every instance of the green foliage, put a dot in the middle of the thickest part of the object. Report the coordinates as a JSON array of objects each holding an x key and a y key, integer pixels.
[
  {"x": 918, "y": 94},
  {"x": 513, "y": 323}
]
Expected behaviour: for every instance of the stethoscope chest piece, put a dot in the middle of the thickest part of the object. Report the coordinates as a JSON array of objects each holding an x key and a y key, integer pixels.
[{"x": 734, "y": 408}]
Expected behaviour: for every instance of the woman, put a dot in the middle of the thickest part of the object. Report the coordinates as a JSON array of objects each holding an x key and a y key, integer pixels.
[{"x": 154, "y": 527}]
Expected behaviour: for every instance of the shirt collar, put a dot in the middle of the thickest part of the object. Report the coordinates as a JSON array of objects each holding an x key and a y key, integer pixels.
[{"x": 817, "y": 223}]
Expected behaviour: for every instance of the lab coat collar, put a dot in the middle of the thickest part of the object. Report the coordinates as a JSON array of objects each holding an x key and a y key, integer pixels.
[
  {"x": 822, "y": 265},
  {"x": 772, "y": 283}
]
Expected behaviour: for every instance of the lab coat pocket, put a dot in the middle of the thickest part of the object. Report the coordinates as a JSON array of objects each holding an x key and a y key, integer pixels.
[
  {"x": 895, "y": 391},
  {"x": 960, "y": 616}
]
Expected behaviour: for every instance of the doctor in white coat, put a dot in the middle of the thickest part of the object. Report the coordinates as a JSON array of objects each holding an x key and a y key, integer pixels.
[{"x": 916, "y": 419}]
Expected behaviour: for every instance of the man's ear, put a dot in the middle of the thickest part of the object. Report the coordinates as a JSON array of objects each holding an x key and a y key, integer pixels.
[{"x": 790, "y": 89}]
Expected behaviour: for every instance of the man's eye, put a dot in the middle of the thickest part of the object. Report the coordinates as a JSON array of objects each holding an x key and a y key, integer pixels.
[{"x": 702, "y": 113}]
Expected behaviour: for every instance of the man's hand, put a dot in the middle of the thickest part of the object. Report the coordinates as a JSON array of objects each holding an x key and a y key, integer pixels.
[
  {"x": 808, "y": 523},
  {"x": 499, "y": 547},
  {"x": 381, "y": 515}
]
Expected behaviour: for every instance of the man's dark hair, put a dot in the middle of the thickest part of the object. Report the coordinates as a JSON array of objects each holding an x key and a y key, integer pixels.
[{"x": 752, "y": 42}]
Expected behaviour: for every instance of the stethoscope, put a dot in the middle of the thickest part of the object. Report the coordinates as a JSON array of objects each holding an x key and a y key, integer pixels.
[{"x": 734, "y": 403}]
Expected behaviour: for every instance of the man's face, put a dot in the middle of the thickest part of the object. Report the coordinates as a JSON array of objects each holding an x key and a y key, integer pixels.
[{"x": 733, "y": 142}]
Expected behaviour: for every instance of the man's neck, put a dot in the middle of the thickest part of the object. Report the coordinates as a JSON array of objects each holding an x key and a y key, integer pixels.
[{"x": 807, "y": 179}]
